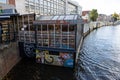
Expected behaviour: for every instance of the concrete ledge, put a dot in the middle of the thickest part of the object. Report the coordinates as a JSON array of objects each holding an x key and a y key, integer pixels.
[
  {"x": 89, "y": 27},
  {"x": 85, "y": 34},
  {"x": 9, "y": 56}
]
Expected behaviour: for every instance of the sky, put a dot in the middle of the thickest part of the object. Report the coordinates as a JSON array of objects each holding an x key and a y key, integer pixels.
[
  {"x": 3, "y": 1},
  {"x": 103, "y": 6}
]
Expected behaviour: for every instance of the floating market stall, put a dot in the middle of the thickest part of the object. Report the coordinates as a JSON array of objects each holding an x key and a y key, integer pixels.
[{"x": 54, "y": 40}]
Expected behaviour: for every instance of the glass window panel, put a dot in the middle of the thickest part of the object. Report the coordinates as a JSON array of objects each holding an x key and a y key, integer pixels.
[
  {"x": 44, "y": 28},
  {"x": 49, "y": 3},
  {"x": 52, "y": 5},
  {"x": 51, "y": 28},
  {"x": 27, "y": 7},
  {"x": 75, "y": 17},
  {"x": 72, "y": 28},
  {"x": 45, "y": 11},
  {"x": 61, "y": 17},
  {"x": 45, "y": 42},
  {"x": 51, "y": 35},
  {"x": 64, "y": 28},
  {"x": 37, "y": 1},
  {"x": 41, "y": 2},
  {"x": 39, "y": 35},
  {"x": 45, "y": 3},
  {"x": 65, "y": 36},
  {"x": 57, "y": 35},
  {"x": 32, "y": 8},
  {"x": 45, "y": 35},
  {"x": 69, "y": 17},
  {"x": 55, "y": 18}
]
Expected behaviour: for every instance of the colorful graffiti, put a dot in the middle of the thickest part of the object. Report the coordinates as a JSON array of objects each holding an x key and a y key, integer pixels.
[
  {"x": 39, "y": 56},
  {"x": 48, "y": 58},
  {"x": 55, "y": 58}
]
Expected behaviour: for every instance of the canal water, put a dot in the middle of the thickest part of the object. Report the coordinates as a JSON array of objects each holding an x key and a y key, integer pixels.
[
  {"x": 100, "y": 55},
  {"x": 28, "y": 69}
]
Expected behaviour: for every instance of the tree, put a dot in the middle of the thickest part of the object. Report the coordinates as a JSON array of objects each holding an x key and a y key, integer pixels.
[
  {"x": 119, "y": 17},
  {"x": 0, "y": 11},
  {"x": 115, "y": 16},
  {"x": 93, "y": 15}
]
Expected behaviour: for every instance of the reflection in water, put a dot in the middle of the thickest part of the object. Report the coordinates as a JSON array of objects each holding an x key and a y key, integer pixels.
[{"x": 100, "y": 55}]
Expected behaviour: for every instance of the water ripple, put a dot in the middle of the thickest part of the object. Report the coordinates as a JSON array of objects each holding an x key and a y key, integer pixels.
[{"x": 99, "y": 58}]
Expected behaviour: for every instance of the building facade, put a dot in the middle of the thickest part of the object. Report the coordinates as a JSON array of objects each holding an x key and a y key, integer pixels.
[
  {"x": 4, "y": 4},
  {"x": 73, "y": 7},
  {"x": 86, "y": 16},
  {"x": 102, "y": 17},
  {"x": 46, "y": 7}
]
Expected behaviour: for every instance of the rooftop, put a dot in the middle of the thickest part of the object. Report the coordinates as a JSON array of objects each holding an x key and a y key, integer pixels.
[{"x": 62, "y": 19}]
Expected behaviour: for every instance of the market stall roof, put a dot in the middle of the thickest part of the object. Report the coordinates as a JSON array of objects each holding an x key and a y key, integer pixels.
[
  {"x": 7, "y": 13},
  {"x": 59, "y": 19}
]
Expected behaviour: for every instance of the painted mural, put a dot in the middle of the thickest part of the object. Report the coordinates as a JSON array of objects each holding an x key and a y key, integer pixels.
[{"x": 55, "y": 58}]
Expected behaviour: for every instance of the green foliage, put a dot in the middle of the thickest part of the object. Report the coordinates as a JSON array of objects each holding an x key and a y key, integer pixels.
[
  {"x": 0, "y": 10},
  {"x": 115, "y": 16},
  {"x": 93, "y": 15}
]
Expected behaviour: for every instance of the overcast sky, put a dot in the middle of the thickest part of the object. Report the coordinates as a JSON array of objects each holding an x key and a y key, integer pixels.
[{"x": 103, "y": 6}]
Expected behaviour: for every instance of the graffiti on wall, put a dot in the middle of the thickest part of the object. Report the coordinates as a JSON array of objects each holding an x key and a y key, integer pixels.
[
  {"x": 29, "y": 49},
  {"x": 55, "y": 58}
]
